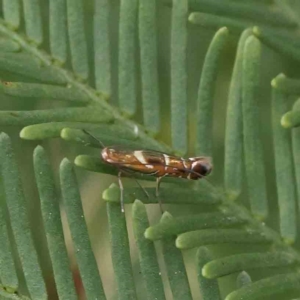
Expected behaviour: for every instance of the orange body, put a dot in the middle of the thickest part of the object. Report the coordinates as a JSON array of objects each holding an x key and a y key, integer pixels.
[{"x": 157, "y": 164}]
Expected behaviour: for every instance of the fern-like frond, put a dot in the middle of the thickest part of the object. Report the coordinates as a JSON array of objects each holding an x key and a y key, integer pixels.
[{"x": 74, "y": 74}]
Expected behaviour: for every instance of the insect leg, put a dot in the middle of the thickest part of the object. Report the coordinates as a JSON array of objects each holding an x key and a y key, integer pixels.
[
  {"x": 121, "y": 192},
  {"x": 158, "y": 181},
  {"x": 132, "y": 175}
]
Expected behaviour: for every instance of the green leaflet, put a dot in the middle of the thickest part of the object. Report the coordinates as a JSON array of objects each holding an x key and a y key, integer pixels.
[
  {"x": 8, "y": 275},
  {"x": 209, "y": 288},
  {"x": 175, "y": 265},
  {"x": 58, "y": 29},
  {"x": 206, "y": 93},
  {"x": 234, "y": 126},
  {"x": 120, "y": 252},
  {"x": 7, "y": 45},
  {"x": 174, "y": 195},
  {"x": 284, "y": 169},
  {"x": 272, "y": 286},
  {"x": 57, "y": 129},
  {"x": 215, "y": 22},
  {"x": 16, "y": 204},
  {"x": 203, "y": 237},
  {"x": 253, "y": 148},
  {"x": 284, "y": 45},
  {"x": 147, "y": 255},
  {"x": 127, "y": 59},
  {"x": 286, "y": 85},
  {"x": 296, "y": 154},
  {"x": 47, "y": 91},
  {"x": 73, "y": 131},
  {"x": 149, "y": 65},
  {"x": 245, "y": 11},
  {"x": 102, "y": 47},
  {"x": 107, "y": 134},
  {"x": 29, "y": 67},
  {"x": 243, "y": 279},
  {"x": 247, "y": 261},
  {"x": 11, "y": 11},
  {"x": 169, "y": 227},
  {"x": 77, "y": 38},
  {"x": 53, "y": 226},
  {"x": 179, "y": 76},
  {"x": 25, "y": 118},
  {"x": 83, "y": 251},
  {"x": 291, "y": 119},
  {"x": 33, "y": 21}
]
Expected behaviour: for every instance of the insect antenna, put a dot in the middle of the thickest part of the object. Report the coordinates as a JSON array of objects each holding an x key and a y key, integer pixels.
[
  {"x": 92, "y": 136},
  {"x": 143, "y": 189}
]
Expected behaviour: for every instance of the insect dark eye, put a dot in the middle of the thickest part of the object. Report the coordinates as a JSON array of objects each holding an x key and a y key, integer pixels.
[
  {"x": 205, "y": 170},
  {"x": 200, "y": 168}
]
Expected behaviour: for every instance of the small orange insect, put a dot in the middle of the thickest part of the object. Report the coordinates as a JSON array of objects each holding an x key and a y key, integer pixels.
[{"x": 154, "y": 163}]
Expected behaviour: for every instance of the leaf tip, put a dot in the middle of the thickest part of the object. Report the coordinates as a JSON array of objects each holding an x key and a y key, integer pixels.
[
  {"x": 24, "y": 133},
  {"x": 285, "y": 120},
  {"x": 78, "y": 160},
  {"x": 114, "y": 186},
  {"x": 256, "y": 30},
  {"x": 65, "y": 163},
  {"x": 138, "y": 208},
  {"x": 276, "y": 80},
  {"x": 166, "y": 216},
  {"x": 112, "y": 193},
  {"x": 64, "y": 133},
  {"x": 224, "y": 30},
  {"x": 82, "y": 161},
  {"x": 148, "y": 234},
  {"x": 179, "y": 243},
  {"x": 38, "y": 150},
  {"x": 204, "y": 271},
  {"x": 4, "y": 136},
  {"x": 105, "y": 195},
  {"x": 243, "y": 279},
  {"x": 252, "y": 40},
  {"x": 191, "y": 17},
  {"x": 138, "y": 203}
]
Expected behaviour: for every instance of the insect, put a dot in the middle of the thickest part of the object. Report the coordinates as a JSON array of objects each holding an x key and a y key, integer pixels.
[{"x": 154, "y": 163}]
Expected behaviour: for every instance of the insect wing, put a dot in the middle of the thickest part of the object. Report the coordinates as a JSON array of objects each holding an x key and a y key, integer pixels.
[
  {"x": 119, "y": 155},
  {"x": 151, "y": 162}
]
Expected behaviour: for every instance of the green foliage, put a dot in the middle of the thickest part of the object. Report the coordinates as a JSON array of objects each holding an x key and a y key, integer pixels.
[
  {"x": 208, "y": 287},
  {"x": 16, "y": 205},
  {"x": 253, "y": 149},
  {"x": 120, "y": 252},
  {"x": 62, "y": 75},
  {"x": 175, "y": 265},
  {"x": 206, "y": 91},
  {"x": 147, "y": 254},
  {"x": 53, "y": 225}
]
